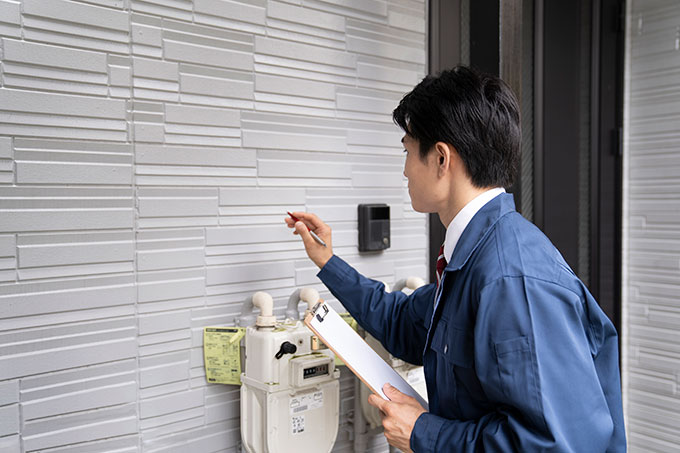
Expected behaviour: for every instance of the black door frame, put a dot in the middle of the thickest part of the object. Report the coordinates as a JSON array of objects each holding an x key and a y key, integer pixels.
[{"x": 444, "y": 51}]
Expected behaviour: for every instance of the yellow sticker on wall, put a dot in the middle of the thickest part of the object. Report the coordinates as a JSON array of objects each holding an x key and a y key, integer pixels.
[{"x": 222, "y": 354}]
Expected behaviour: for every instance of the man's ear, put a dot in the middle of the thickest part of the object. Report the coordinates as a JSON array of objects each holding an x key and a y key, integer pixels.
[{"x": 444, "y": 156}]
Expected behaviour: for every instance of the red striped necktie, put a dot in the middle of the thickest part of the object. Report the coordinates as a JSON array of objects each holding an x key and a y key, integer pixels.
[{"x": 441, "y": 264}]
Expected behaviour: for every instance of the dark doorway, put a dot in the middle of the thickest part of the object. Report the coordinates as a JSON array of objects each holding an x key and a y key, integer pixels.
[{"x": 571, "y": 68}]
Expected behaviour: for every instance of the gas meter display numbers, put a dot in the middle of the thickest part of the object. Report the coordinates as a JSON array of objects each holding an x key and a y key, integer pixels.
[{"x": 319, "y": 370}]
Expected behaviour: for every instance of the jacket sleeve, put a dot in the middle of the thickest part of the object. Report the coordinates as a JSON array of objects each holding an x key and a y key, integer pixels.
[
  {"x": 534, "y": 345},
  {"x": 398, "y": 321}
]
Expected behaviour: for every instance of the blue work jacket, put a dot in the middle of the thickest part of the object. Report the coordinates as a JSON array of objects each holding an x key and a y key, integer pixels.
[{"x": 518, "y": 355}]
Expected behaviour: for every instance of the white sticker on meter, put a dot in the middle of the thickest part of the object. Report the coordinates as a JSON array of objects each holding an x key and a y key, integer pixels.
[
  {"x": 303, "y": 403},
  {"x": 297, "y": 424},
  {"x": 415, "y": 377}
]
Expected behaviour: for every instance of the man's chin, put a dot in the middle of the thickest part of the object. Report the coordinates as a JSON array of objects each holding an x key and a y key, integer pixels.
[
  {"x": 423, "y": 210},
  {"x": 420, "y": 209}
]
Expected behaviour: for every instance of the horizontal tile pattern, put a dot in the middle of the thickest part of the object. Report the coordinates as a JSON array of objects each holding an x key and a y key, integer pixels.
[
  {"x": 651, "y": 239},
  {"x": 149, "y": 151}
]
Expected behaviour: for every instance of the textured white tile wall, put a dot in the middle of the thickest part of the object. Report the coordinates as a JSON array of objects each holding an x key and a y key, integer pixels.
[
  {"x": 148, "y": 152},
  {"x": 652, "y": 227}
]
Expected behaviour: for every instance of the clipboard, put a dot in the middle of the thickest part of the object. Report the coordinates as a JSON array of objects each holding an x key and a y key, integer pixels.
[{"x": 356, "y": 353}]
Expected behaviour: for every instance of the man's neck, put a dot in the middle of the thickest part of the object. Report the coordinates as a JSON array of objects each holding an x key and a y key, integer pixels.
[{"x": 458, "y": 200}]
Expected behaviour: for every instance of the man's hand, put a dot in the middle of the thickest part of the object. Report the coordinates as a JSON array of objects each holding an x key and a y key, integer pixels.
[
  {"x": 398, "y": 415},
  {"x": 316, "y": 252}
]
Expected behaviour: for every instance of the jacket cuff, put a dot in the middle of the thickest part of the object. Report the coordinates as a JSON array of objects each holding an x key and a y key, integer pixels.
[
  {"x": 426, "y": 432},
  {"x": 334, "y": 272}
]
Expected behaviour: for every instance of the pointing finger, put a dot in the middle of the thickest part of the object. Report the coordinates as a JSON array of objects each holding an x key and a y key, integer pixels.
[{"x": 311, "y": 220}]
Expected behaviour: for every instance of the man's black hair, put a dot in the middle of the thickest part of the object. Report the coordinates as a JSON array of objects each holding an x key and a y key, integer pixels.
[{"x": 477, "y": 113}]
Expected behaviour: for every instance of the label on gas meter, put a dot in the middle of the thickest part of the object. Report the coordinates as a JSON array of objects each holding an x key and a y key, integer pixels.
[
  {"x": 303, "y": 403},
  {"x": 415, "y": 377},
  {"x": 297, "y": 424},
  {"x": 222, "y": 354}
]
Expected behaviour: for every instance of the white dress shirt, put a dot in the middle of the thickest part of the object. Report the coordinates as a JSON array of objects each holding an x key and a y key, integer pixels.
[{"x": 461, "y": 220}]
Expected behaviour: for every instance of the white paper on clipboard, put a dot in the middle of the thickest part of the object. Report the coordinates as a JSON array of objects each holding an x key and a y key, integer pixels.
[{"x": 356, "y": 353}]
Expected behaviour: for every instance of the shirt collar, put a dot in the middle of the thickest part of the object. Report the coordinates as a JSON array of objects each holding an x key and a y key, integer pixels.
[{"x": 463, "y": 218}]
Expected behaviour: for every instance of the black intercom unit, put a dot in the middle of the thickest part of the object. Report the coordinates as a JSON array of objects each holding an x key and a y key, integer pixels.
[{"x": 374, "y": 227}]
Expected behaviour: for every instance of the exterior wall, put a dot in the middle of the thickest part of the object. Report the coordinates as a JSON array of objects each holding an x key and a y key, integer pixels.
[
  {"x": 651, "y": 341},
  {"x": 148, "y": 153}
]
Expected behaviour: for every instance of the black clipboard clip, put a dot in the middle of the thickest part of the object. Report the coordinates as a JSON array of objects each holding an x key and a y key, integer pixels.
[{"x": 325, "y": 309}]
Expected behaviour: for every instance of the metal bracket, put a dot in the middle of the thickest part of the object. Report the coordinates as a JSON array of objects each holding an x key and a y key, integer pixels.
[{"x": 320, "y": 317}]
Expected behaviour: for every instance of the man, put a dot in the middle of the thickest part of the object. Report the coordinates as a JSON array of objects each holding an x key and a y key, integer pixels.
[{"x": 518, "y": 356}]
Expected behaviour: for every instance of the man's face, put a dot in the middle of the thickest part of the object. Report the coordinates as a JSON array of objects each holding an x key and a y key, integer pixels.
[{"x": 421, "y": 175}]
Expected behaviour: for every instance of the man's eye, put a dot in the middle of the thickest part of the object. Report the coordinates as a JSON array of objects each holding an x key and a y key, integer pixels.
[{"x": 405, "y": 150}]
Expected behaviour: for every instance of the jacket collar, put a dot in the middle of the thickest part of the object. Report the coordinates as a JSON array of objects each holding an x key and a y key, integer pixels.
[{"x": 478, "y": 228}]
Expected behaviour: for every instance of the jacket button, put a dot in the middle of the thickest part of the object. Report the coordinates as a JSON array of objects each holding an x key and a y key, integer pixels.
[{"x": 446, "y": 348}]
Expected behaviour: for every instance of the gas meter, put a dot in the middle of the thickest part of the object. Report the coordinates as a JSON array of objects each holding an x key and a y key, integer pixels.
[{"x": 290, "y": 397}]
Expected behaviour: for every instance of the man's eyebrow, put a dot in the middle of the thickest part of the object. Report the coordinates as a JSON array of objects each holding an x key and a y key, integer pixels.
[{"x": 402, "y": 139}]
